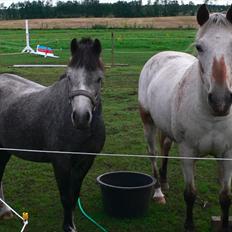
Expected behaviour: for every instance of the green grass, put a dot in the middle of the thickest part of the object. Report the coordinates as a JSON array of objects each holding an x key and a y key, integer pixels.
[{"x": 31, "y": 186}]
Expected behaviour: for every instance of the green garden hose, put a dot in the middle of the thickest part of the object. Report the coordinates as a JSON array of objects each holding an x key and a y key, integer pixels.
[{"x": 89, "y": 218}]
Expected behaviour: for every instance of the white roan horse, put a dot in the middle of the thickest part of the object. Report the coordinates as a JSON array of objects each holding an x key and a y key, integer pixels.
[{"x": 189, "y": 100}]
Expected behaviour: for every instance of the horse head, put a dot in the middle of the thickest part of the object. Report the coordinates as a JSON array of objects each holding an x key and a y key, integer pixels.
[
  {"x": 85, "y": 74},
  {"x": 214, "y": 46}
]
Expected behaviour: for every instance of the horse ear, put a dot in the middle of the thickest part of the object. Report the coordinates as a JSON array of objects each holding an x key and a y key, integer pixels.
[
  {"x": 229, "y": 14},
  {"x": 97, "y": 47},
  {"x": 73, "y": 46},
  {"x": 202, "y": 15}
]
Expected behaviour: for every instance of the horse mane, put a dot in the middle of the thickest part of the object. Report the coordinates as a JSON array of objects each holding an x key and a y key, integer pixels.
[
  {"x": 218, "y": 19},
  {"x": 63, "y": 76},
  {"x": 85, "y": 57}
]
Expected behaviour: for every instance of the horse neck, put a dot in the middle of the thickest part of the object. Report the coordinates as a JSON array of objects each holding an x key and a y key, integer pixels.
[
  {"x": 202, "y": 92},
  {"x": 191, "y": 87},
  {"x": 58, "y": 94}
]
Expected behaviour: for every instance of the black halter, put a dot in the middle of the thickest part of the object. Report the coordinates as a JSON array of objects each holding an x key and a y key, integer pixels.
[{"x": 81, "y": 92}]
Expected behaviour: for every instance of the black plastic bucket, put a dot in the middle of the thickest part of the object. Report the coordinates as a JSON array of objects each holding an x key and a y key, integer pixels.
[{"x": 126, "y": 194}]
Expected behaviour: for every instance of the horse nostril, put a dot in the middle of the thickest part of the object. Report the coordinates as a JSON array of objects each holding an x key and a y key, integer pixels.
[
  {"x": 74, "y": 116},
  {"x": 87, "y": 116},
  {"x": 210, "y": 97},
  {"x": 81, "y": 120}
]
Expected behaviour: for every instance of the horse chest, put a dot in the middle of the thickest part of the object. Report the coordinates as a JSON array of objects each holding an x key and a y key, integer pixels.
[{"x": 210, "y": 139}]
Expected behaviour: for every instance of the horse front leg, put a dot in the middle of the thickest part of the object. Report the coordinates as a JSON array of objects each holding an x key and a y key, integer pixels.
[
  {"x": 165, "y": 146},
  {"x": 5, "y": 212},
  {"x": 225, "y": 168},
  {"x": 188, "y": 167},
  {"x": 158, "y": 195},
  {"x": 62, "y": 172},
  {"x": 79, "y": 171},
  {"x": 150, "y": 136}
]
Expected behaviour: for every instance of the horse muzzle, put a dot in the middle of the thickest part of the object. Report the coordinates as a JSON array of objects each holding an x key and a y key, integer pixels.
[
  {"x": 220, "y": 105},
  {"x": 81, "y": 120}
]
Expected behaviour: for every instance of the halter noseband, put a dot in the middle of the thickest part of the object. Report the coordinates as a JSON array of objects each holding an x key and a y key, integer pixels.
[{"x": 81, "y": 92}]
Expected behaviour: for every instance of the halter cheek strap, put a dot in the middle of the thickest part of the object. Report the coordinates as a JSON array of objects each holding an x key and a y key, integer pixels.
[{"x": 85, "y": 93}]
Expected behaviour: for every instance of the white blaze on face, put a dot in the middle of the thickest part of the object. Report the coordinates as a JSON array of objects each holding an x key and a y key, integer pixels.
[
  {"x": 81, "y": 105},
  {"x": 214, "y": 41}
]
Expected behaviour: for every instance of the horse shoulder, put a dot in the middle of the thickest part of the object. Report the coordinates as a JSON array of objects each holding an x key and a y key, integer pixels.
[{"x": 185, "y": 101}]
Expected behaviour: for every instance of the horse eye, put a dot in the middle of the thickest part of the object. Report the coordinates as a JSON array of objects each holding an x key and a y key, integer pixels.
[{"x": 199, "y": 48}]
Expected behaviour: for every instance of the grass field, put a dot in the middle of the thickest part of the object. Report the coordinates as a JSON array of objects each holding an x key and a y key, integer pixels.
[{"x": 31, "y": 186}]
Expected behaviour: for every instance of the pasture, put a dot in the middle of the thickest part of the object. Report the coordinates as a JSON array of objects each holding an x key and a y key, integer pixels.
[{"x": 31, "y": 186}]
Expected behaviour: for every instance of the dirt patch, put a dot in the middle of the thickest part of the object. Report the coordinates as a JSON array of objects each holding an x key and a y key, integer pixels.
[{"x": 155, "y": 22}]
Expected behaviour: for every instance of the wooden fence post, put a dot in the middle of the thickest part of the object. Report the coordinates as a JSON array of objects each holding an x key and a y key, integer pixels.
[{"x": 112, "y": 49}]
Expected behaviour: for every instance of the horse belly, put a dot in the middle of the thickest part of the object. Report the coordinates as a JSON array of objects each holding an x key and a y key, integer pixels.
[{"x": 35, "y": 157}]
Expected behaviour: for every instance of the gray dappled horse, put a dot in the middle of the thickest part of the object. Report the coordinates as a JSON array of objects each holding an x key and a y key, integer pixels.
[
  {"x": 189, "y": 100},
  {"x": 65, "y": 116}
]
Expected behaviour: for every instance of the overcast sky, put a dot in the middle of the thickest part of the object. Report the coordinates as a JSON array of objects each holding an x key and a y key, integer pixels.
[{"x": 8, "y": 2}]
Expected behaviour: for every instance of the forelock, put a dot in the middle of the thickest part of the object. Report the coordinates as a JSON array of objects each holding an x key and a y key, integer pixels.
[{"x": 85, "y": 57}]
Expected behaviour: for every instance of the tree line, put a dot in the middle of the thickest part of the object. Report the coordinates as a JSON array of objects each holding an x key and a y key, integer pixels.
[{"x": 93, "y": 8}]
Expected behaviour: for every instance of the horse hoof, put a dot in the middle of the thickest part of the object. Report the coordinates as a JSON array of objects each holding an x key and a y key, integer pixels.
[
  {"x": 189, "y": 228},
  {"x": 164, "y": 186},
  {"x": 69, "y": 229},
  {"x": 160, "y": 200},
  {"x": 225, "y": 229},
  {"x": 7, "y": 215}
]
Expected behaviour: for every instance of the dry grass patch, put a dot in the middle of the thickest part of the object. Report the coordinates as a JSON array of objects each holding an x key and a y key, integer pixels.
[{"x": 153, "y": 22}]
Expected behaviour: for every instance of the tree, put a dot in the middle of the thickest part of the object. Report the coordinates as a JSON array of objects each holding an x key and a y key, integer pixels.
[{"x": 88, "y": 8}]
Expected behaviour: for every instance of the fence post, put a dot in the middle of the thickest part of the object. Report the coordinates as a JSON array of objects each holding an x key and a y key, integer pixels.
[{"x": 112, "y": 49}]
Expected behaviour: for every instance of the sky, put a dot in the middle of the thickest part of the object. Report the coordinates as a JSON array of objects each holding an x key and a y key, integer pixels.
[{"x": 8, "y": 2}]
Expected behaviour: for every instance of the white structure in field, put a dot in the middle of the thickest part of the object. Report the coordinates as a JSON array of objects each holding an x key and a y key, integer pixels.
[
  {"x": 40, "y": 50},
  {"x": 27, "y": 49},
  {"x": 45, "y": 51}
]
